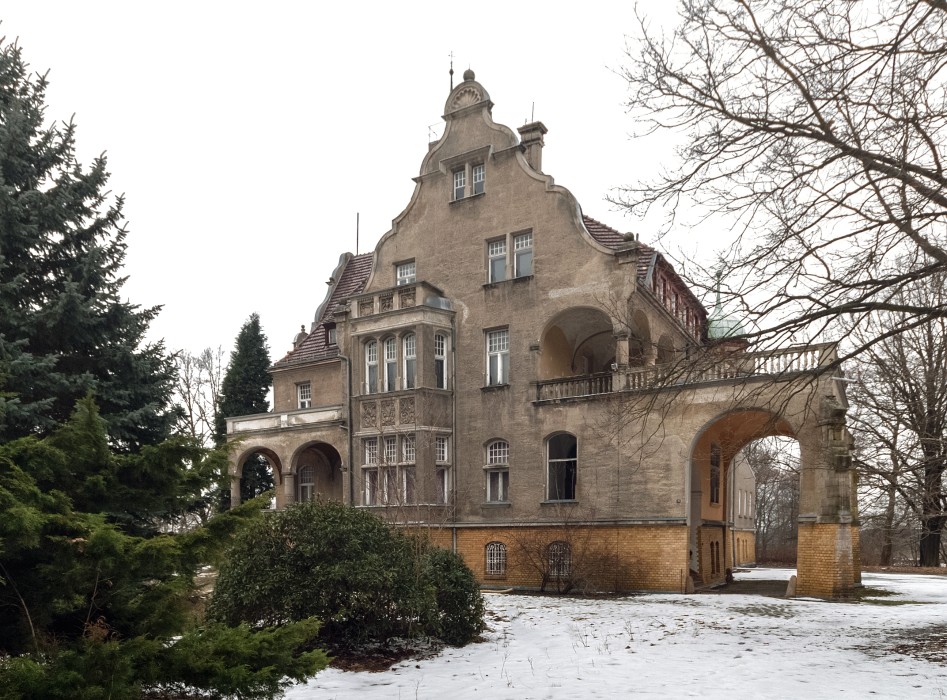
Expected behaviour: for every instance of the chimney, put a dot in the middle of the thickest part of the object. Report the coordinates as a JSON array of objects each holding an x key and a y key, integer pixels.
[{"x": 531, "y": 136}]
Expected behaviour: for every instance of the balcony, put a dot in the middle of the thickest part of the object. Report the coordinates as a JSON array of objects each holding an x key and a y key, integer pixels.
[
  {"x": 708, "y": 368},
  {"x": 301, "y": 418}
]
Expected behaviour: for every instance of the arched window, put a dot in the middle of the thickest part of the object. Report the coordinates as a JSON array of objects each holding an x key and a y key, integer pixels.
[
  {"x": 371, "y": 367},
  {"x": 496, "y": 559},
  {"x": 560, "y": 560},
  {"x": 498, "y": 471},
  {"x": 391, "y": 364},
  {"x": 562, "y": 467},
  {"x": 306, "y": 483},
  {"x": 440, "y": 361}
]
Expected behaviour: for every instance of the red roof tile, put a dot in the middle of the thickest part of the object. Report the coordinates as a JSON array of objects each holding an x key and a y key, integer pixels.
[{"x": 351, "y": 281}]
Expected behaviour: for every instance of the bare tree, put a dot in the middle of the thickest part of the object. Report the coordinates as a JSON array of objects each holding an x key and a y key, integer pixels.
[
  {"x": 901, "y": 417},
  {"x": 776, "y": 470},
  {"x": 198, "y": 391},
  {"x": 817, "y": 130}
]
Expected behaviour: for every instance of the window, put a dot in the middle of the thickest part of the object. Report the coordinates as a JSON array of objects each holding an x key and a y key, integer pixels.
[
  {"x": 498, "y": 357},
  {"x": 440, "y": 361},
  {"x": 498, "y": 471},
  {"x": 460, "y": 183},
  {"x": 560, "y": 560},
  {"x": 330, "y": 335},
  {"x": 496, "y": 261},
  {"x": 391, "y": 449},
  {"x": 405, "y": 273},
  {"x": 440, "y": 448},
  {"x": 371, "y": 367},
  {"x": 496, "y": 559},
  {"x": 441, "y": 471},
  {"x": 304, "y": 395},
  {"x": 408, "y": 480},
  {"x": 306, "y": 483},
  {"x": 371, "y": 495},
  {"x": 562, "y": 467},
  {"x": 478, "y": 178},
  {"x": 523, "y": 255},
  {"x": 391, "y": 364},
  {"x": 410, "y": 360},
  {"x": 371, "y": 450},
  {"x": 408, "y": 450},
  {"x": 715, "y": 473}
]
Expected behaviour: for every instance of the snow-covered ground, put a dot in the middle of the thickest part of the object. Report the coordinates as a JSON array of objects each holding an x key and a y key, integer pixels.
[{"x": 669, "y": 646}]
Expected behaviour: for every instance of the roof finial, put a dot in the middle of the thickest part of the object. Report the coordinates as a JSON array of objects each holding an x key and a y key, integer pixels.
[{"x": 452, "y": 71}]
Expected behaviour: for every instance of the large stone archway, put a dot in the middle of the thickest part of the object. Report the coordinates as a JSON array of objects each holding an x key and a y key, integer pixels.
[
  {"x": 315, "y": 474},
  {"x": 827, "y": 550},
  {"x": 237, "y": 466}
]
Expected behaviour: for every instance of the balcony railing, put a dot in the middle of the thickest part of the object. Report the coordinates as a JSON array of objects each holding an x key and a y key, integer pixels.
[{"x": 708, "y": 368}]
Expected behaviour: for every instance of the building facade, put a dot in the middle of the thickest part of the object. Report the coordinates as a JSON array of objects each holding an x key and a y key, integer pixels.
[{"x": 544, "y": 394}]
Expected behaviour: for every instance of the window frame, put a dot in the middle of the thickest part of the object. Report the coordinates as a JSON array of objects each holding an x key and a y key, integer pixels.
[
  {"x": 559, "y": 559},
  {"x": 371, "y": 367},
  {"x": 459, "y": 183},
  {"x": 495, "y": 555},
  {"x": 498, "y": 373},
  {"x": 522, "y": 251},
  {"x": 566, "y": 469},
  {"x": 497, "y": 252},
  {"x": 497, "y": 471},
  {"x": 404, "y": 275},
  {"x": 409, "y": 360},
  {"x": 440, "y": 356},
  {"x": 389, "y": 364},
  {"x": 303, "y": 395},
  {"x": 477, "y": 184},
  {"x": 306, "y": 487}
]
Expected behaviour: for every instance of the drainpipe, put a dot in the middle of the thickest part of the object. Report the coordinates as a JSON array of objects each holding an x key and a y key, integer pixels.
[
  {"x": 453, "y": 432},
  {"x": 733, "y": 518},
  {"x": 348, "y": 423}
]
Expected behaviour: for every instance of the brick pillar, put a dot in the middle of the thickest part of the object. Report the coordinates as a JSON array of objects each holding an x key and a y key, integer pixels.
[{"x": 825, "y": 566}]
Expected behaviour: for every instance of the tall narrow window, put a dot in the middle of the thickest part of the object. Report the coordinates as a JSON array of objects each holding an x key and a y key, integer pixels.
[
  {"x": 478, "y": 178},
  {"x": 391, "y": 364},
  {"x": 371, "y": 450},
  {"x": 306, "y": 479},
  {"x": 441, "y": 470},
  {"x": 440, "y": 361},
  {"x": 405, "y": 273},
  {"x": 371, "y": 367},
  {"x": 498, "y": 357},
  {"x": 370, "y": 497},
  {"x": 496, "y": 260},
  {"x": 498, "y": 471},
  {"x": 496, "y": 559},
  {"x": 410, "y": 360},
  {"x": 715, "y": 473},
  {"x": 304, "y": 395},
  {"x": 560, "y": 560},
  {"x": 460, "y": 183},
  {"x": 408, "y": 469},
  {"x": 562, "y": 467},
  {"x": 523, "y": 255},
  {"x": 408, "y": 449}
]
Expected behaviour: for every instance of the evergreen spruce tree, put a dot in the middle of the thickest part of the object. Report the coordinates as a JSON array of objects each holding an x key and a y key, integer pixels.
[
  {"x": 243, "y": 392},
  {"x": 65, "y": 331}
]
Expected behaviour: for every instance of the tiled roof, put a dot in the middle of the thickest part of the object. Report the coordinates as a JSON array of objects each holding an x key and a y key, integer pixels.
[
  {"x": 351, "y": 281},
  {"x": 648, "y": 257}
]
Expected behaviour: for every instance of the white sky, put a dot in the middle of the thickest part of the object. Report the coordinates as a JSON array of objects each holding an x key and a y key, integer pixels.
[{"x": 246, "y": 138}]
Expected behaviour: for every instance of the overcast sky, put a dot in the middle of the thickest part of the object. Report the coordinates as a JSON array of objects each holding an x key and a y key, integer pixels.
[{"x": 247, "y": 138}]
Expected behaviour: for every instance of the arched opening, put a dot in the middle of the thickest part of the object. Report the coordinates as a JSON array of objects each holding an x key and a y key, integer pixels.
[
  {"x": 640, "y": 351},
  {"x": 259, "y": 472},
  {"x": 578, "y": 341},
  {"x": 665, "y": 349},
  {"x": 317, "y": 468},
  {"x": 723, "y": 500}
]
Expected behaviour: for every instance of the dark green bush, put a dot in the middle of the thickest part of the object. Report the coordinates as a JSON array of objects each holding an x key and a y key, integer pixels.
[{"x": 365, "y": 581}]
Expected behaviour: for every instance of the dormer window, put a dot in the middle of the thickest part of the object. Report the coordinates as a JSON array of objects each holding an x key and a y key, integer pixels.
[
  {"x": 330, "y": 335},
  {"x": 460, "y": 183},
  {"x": 405, "y": 273}
]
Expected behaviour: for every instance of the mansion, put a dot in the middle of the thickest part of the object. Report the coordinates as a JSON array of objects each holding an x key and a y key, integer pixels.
[{"x": 545, "y": 395}]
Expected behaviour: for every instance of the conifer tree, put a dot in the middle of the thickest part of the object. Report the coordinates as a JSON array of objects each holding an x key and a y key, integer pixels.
[
  {"x": 64, "y": 329},
  {"x": 243, "y": 392}
]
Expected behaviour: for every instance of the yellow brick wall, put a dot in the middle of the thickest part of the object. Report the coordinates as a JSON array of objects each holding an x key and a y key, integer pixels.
[{"x": 604, "y": 558}]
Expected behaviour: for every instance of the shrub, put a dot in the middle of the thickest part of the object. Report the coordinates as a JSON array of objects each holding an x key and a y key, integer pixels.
[{"x": 342, "y": 565}]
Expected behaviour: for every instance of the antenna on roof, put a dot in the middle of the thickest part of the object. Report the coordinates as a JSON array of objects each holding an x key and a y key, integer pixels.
[
  {"x": 452, "y": 71},
  {"x": 356, "y": 233},
  {"x": 532, "y": 115}
]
